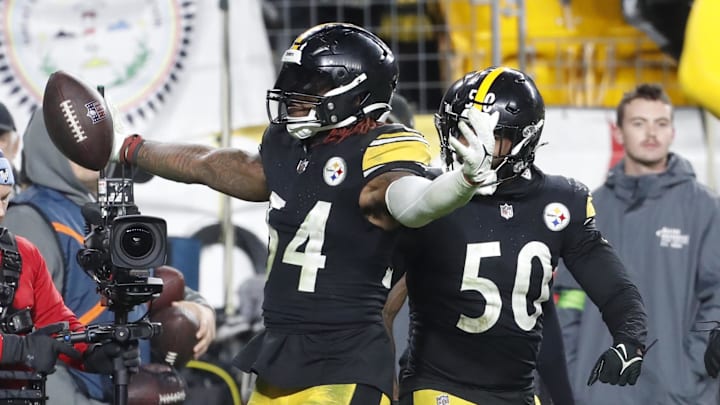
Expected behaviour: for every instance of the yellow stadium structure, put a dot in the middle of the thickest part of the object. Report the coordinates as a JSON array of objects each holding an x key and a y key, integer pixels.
[{"x": 585, "y": 54}]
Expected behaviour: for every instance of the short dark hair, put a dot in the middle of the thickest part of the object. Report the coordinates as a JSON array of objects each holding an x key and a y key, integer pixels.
[
  {"x": 646, "y": 91},
  {"x": 6, "y": 120}
]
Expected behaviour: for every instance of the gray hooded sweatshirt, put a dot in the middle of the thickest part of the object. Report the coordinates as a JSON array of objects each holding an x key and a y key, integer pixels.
[
  {"x": 666, "y": 230},
  {"x": 45, "y": 165}
]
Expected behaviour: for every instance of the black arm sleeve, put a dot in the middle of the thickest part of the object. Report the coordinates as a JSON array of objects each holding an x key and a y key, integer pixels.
[
  {"x": 602, "y": 275},
  {"x": 551, "y": 365}
]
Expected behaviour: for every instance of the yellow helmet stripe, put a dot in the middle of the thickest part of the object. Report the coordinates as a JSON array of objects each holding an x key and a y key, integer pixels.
[{"x": 485, "y": 85}]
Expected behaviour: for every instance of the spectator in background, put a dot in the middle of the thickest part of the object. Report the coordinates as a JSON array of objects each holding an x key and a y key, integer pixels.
[
  {"x": 665, "y": 227},
  {"x": 9, "y": 139},
  {"x": 48, "y": 212}
]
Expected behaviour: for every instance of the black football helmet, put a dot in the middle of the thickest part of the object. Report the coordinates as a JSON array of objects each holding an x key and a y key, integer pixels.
[
  {"x": 337, "y": 72},
  {"x": 522, "y": 114}
]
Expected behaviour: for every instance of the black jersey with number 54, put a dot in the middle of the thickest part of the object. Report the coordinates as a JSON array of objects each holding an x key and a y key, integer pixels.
[
  {"x": 330, "y": 267},
  {"x": 477, "y": 278}
]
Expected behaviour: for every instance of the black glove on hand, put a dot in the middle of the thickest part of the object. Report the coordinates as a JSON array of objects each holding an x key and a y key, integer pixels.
[
  {"x": 712, "y": 353},
  {"x": 100, "y": 356},
  {"x": 37, "y": 350},
  {"x": 619, "y": 365}
]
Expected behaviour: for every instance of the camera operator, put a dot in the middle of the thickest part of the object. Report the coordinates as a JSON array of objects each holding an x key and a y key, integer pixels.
[
  {"x": 50, "y": 208},
  {"x": 29, "y": 300}
]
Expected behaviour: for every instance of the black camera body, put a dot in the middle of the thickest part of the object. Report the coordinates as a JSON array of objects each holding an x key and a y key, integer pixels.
[{"x": 122, "y": 246}]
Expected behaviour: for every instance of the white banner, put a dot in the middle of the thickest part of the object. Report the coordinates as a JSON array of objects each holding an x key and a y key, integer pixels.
[{"x": 158, "y": 60}]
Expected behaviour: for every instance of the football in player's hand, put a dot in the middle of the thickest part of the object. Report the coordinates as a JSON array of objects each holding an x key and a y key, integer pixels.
[
  {"x": 175, "y": 344},
  {"x": 173, "y": 287},
  {"x": 78, "y": 121},
  {"x": 156, "y": 384}
]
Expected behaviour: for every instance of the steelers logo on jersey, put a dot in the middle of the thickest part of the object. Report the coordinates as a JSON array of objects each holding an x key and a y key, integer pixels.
[
  {"x": 334, "y": 171},
  {"x": 556, "y": 216}
]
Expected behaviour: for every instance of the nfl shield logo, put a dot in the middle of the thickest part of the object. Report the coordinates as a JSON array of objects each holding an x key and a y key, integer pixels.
[
  {"x": 95, "y": 111},
  {"x": 442, "y": 400},
  {"x": 506, "y": 211}
]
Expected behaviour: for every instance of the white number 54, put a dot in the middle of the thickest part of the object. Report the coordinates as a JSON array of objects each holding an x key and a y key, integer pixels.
[{"x": 311, "y": 259}]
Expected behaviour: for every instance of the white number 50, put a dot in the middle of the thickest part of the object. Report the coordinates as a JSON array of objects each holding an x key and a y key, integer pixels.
[{"x": 493, "y": 303}]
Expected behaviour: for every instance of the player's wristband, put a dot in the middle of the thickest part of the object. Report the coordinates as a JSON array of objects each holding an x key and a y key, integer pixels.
[{"x": 130, "y": 148}]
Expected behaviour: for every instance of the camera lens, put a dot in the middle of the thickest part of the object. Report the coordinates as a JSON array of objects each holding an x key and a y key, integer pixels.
[{"x": 137, "y": 241}]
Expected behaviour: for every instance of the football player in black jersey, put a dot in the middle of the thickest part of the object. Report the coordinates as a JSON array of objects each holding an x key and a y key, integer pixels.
[
  {"x": 478, "y": 277},
  {"x": 339, "y": 182}
]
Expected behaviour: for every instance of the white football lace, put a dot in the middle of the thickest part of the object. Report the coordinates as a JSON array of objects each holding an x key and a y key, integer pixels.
[{"x": 72, "y": 120}]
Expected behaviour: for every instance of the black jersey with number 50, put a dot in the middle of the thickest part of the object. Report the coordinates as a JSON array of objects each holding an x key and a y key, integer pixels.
[
  {"x": 330, "y": 267},
  {"x": 477, "y": 278}
]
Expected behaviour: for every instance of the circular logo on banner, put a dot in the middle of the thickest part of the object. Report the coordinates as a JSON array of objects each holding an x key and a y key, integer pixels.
[
  {"x": 134, "y": 48},
  {"x": 334, "y": 171},
  {"x": 556, "y": 216}
]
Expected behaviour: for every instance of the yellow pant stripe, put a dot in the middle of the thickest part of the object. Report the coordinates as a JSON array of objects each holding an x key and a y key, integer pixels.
[{"x": 336, "y": 394}]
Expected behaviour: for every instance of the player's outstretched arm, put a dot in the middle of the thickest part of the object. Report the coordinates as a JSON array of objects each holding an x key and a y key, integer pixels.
[
  {"x": 228, "y": 170},
  {"x": 414, "y": 201}
]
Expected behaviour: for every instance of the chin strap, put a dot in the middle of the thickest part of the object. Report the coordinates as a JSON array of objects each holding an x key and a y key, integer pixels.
[{"x": 307, "y": 126}]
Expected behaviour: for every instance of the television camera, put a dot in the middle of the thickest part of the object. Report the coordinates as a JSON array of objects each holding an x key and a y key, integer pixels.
[{"x": 121, "y": 249}]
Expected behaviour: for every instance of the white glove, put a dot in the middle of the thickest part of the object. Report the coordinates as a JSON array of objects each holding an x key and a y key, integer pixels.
[{"x": 477, "y": 156}]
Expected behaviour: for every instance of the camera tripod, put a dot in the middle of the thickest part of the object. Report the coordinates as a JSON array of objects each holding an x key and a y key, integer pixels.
[{"x": 120, "y": 330}]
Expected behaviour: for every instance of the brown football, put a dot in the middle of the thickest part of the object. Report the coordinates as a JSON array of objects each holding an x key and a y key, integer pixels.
[
  {"x": 78, "y": 121},
  {"x": 175, "y": 344},
  {"x": 156, "y": 384},
  {"x": 173, "y": 287}
]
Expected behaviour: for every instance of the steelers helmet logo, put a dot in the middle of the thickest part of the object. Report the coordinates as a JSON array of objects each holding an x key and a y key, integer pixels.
[
  {"x": 556, "y": 216},
  {"x": 334, "y": 171}
]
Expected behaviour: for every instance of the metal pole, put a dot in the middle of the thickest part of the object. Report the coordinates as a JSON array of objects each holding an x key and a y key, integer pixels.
[
  {"x": 495, "y": 28},
  {"x": 522, "y": 34},
  {"x": 711, "y": 128},
  {"x": 226, "y": 127}
]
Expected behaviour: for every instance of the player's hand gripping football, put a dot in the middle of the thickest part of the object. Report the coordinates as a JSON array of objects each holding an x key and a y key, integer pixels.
[
  {"x": 619, "y": 365},
  {"x": 478, "y": 154}
]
